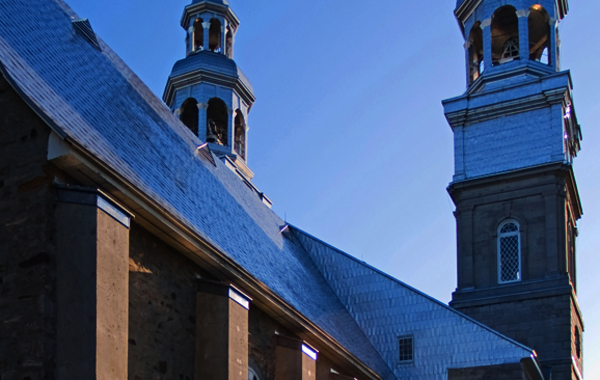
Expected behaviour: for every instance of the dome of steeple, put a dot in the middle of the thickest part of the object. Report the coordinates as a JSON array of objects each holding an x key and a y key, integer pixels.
[{"x": 220, "y": 2}]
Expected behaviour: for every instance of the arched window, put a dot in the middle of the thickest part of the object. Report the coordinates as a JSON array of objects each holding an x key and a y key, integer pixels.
[
  {"x": 475, "y": 52},
  {"x": 240, "y": 134},
  {"x": 252, "y": 374},
  {"x": 189, "y": 114},
  {"x": 216, "y": 122},
  {"x": 229, "y": 44},
  {"x": 509, "y": 252},
  {"x": 214, "y": 35},
  {"x": 505, "y": 35},
  {"x": 198, "y": 35},
  {"x": 539, "y": 34}
]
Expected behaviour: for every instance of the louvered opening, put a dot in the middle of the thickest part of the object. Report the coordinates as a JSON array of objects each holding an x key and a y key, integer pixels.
[{"x": 84, "y": 29}]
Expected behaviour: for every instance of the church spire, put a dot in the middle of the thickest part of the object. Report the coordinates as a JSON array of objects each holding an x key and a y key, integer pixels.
[
  {"x": 517, "y": 205},
  {"x": 206, "y": 89}
]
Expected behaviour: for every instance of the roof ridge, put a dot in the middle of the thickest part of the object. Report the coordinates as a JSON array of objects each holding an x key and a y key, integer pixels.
[{"x": 411, "y": 288}]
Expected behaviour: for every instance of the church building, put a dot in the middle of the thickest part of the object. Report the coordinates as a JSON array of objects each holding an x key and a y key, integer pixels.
[{"x": 134, "y": 245}]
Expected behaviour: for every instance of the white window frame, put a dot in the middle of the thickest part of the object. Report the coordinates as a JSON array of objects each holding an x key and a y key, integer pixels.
[{"x": 499, "y": 255}]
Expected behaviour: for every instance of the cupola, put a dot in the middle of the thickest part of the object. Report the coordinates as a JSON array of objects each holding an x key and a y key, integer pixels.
[{"x": 206, "y": 89}]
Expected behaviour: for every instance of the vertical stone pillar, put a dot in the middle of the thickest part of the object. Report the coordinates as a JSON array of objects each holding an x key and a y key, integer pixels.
[
  {"x": 295, "y": 360},
  {"x": 523, "y": 16},
  {"x": 206, "y": 26},
  {"x": 221, "y": 332},
  {"x": 223, "y": 41},
  {"x": 554, "y": 42},
  {"x": 231, "y": 129},
  {"x": 466, "y": 264},
  {"x": 202, "y": 107},
  {"x": 92, "y": 285},
  {"x": 468, "y": 60},
  {"x": 232, "y": 44},
  {"x": 190, "y": 40},
  {"x": 487, "y": 42}
]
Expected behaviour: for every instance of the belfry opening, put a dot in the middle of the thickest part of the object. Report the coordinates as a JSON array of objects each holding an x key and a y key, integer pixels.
[
  {"x": 505, "y": 35},
  {"x": 539, "y": 34}
]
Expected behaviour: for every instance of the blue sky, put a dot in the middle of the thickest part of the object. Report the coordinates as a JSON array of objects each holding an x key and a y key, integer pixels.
[{"x": 348, "y": 136}]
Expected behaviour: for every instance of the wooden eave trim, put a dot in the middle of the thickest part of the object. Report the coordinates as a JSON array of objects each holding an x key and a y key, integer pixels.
[{"x": 185, "y": 240}]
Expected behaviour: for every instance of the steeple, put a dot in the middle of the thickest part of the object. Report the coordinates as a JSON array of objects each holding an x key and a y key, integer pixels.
[
  {"x": 206, "y": 89},
  {"x": 517, "y": 205}
]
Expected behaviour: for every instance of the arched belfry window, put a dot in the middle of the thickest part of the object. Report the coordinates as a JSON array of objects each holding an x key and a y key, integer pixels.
[
  {"x": 505, "y": 35},
  {"x": 198, "y": 35},
  {"x": 214, "y": 35},
  {"x": 240, "y": 134},
  {"x": 475, "y": 52},
  {"x": 509, "y": 252},
  {"x": 189, "y": 114},
  {"x": 539, "y": 34},
  {"x": 216, "y": 122}
]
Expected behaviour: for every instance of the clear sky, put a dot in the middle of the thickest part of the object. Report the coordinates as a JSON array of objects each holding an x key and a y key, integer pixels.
[{"x": 348, "y": 136}]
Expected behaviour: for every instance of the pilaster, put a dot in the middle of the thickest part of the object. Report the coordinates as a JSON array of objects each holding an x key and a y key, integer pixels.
[
  {"x": 295, "y": 360},
  {"x": 92, "y": 286},
  {"x": 221, "y": 332}
]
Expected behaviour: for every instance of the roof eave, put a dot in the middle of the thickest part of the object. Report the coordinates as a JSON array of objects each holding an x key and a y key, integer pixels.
[{"x": 94, "y": 172}]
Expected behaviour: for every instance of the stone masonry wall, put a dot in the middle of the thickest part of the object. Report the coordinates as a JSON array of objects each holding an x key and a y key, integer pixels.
[
  {"x": 162, "y": 316},
  {"x": 27, "y": 263},
  {"x": 544, "y": 324},
  {"x": 492, "y": 372},
  {"x": 162, "y": 309}
]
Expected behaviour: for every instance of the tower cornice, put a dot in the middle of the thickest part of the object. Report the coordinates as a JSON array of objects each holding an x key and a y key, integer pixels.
[
  {"x": 560, "y": 169},
  {"x": 533, "y": 94},
  {"x": 193, "y": 9}
]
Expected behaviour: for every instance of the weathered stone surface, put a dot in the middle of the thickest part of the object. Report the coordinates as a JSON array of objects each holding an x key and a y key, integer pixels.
[
  {"x": 494, "y": 372},
  {"x": 92, "y": 290},
  {"x": 162, "y": 309},
  {"x": 27, "y": 294}
]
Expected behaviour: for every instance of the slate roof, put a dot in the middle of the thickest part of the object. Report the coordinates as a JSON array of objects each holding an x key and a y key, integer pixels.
[
  {"x": 92, "y": 97},
  {"x": 386, "y": 308},
  {"x": 211, "y": 62}
]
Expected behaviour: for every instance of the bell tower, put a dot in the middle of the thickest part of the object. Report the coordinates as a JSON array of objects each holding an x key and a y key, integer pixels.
[
  {"x": 206, "y": 89},
  {"x": 515, "y": 138}
]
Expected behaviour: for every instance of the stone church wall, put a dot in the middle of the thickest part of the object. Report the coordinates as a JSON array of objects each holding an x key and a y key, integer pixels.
[
  {"x": 529, "y": 322},
  {"x": 27, "y": 262}
]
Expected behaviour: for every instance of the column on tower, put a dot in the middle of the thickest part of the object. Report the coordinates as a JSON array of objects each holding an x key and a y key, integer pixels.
[
  {"x": 523, "y": 16},
  {"x": 487, "y": 42},
  {"x": 206, "y": 26}
]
